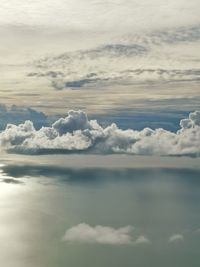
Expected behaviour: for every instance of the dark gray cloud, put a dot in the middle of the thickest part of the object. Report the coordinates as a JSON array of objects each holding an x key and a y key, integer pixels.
[
  {"x": 134, "y": 76},
  {"x": 52, "y": 74},
  {"x": 11, "y": 181},
  {"x": 60, "y": 84}
]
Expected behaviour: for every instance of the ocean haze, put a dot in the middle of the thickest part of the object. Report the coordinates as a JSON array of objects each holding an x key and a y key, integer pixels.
[{"x": 53, "y": 198}]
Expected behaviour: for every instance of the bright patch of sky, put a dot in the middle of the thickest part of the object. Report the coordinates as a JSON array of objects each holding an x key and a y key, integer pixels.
[
  {"x": 100, "y": 14},
  {"x": 57, "y": 51}
]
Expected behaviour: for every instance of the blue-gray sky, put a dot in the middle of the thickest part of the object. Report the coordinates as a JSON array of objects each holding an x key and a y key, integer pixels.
[{"x": 104, "y": 57}]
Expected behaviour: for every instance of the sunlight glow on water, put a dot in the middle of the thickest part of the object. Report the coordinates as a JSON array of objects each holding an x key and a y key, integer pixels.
[{"x": 39, "y": 203}]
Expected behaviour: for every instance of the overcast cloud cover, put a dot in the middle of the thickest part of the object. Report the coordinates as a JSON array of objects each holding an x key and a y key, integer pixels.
[
  {"x": 87, "y": 14},
  {"x": 114, "y": 50},
  {"x": 76, "y": 133}
]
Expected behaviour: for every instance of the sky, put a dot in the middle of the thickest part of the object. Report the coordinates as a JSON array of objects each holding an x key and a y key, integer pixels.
[
  {"x": 99, "y": 132},
  {"x": 134, "y": 63}
]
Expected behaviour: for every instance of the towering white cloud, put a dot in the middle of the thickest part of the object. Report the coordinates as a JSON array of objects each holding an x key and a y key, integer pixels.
[{"x": 76, "y": 133}]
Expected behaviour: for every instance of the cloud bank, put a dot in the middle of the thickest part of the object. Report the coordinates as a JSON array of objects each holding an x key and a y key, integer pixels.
[
  {"x": 76, "y": 133},
  {"x": 85, "y": 233}
]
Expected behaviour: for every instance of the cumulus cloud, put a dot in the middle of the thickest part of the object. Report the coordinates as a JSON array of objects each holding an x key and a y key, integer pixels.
[
  {"x": 85, "y": 233},
  {"x": 142, "y": 240},
  {"x": 76, "y": 133},
  {"x": 176, "y": 238}
]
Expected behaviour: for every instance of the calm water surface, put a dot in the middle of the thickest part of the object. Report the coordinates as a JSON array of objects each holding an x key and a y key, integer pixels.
[{"x": 39, "y": 202}]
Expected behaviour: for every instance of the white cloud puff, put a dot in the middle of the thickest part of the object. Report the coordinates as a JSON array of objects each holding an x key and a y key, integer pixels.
[
  {"x": 76, "y": 133},
  {"x": 142, "y": 240},
  {"x": 176, "y": 238},
  {"x": 85, "y": 233}
]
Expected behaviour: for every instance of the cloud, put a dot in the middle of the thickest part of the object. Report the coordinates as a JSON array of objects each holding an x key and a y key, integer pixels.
[
  {"x": 176, "y": 238},
  {"x": 176, "y": 35},
  {"x": 76, "y": 120},
  {"x": 88, "y": 15},
  {"x": 142, "y": 240},
  {"x": 107, "y": 62},
  {"x": 52, "y": 74},
  {"x": 76, "y": 133},
  {"x": 60, "y": 84},
  {"x": 135, "y": 61},
  {"x": 85, "y": 233},
  {"x": 11, "y": 181},
  {"x": 124, "y": 77}
]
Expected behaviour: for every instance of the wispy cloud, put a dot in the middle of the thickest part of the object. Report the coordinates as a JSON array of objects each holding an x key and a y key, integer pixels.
[
  {"x": 128, "y": 77},
  {"x": 136, "y": 59},
  {"x": 176, "y": 238}
]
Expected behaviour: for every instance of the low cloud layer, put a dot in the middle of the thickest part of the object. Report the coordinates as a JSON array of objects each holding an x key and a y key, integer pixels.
[
  {"x": 85, "y": 233},
  {"x": 75, "y": 133}
]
